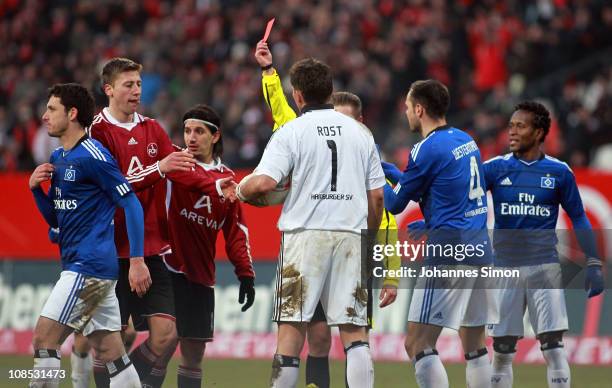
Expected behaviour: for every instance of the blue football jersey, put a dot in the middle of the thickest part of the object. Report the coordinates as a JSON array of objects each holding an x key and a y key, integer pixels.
[
  {"x": 526, "y": 199},
  {"x": 446, "y": 177},
  {"x": 85, "y": 188}
]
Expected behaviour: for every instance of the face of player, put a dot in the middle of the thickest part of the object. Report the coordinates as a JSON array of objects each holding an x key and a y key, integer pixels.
[
  {"x": 200, "y": 140},
  {"x": 523, "y": 137},
  {"x": 349, "y": 111},
  {"x": 56, "y": 118},
  {"x": 124, "y": 93},
  {"x": 412, "y": 115}
]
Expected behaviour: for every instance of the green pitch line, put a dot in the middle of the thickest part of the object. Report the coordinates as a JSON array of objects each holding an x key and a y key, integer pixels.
[{"x": 255, "y": 373}]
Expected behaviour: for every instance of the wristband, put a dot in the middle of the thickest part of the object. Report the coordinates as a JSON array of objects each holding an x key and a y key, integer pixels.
[{"x": 267, "y": 67}]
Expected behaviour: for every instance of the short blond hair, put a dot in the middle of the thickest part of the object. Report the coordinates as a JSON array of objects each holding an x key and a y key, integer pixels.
[{"x": 116, "y": 66}]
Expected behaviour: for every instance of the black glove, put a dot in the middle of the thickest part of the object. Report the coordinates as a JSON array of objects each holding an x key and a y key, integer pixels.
[{"x": 247, "y": 288}]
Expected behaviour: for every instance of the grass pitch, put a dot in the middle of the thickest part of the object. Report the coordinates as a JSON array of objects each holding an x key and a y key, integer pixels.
[{"x": 255, "y": 373}]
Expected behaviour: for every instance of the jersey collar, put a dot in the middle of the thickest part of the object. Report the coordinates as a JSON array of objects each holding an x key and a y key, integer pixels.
[
  {"x": 440, "y": 128},
  {"x": 311, "y": 107},
  {"x": 531, "y": 162},
  {"x": 109, "y": 117}
]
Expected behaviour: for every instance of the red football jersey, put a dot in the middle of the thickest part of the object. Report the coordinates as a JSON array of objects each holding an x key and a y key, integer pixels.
[
  {"x": 195, "y": 219},
  {"x": 138, "y": 147}
]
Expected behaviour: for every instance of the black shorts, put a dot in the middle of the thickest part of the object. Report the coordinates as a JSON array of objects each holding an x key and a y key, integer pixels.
[
  {"x": 158, "y": 301},
  {"x": 195, "y": 308},
  {"x": 319, "y": 314}
]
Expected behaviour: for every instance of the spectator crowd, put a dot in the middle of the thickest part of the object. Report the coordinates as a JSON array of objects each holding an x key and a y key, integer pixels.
[{"x": 490, "y": 53}]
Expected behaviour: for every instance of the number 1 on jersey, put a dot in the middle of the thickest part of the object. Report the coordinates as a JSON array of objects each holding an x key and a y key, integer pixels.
[
  {"x": 334, "y": 150},
  {"x": 476, "y": 192}
]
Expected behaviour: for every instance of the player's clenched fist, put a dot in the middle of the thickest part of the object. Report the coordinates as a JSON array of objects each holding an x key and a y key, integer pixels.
[
  {"x": 41, "y": 173},
  {"x": 177, "y": 161},
  {"x": 139, "y": 276}
]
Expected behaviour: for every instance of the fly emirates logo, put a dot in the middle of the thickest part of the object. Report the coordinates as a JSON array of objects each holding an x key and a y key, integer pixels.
[
  {"x": 525, "y": 207},
  {"x": 63, "y": 204}
]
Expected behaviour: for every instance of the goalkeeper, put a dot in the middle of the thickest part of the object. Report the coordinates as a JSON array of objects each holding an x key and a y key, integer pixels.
[{"x": 319, "y": 333}]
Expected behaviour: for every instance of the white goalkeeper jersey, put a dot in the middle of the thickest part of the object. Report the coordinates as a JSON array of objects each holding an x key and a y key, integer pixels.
[{"x": 332, "y": 162}]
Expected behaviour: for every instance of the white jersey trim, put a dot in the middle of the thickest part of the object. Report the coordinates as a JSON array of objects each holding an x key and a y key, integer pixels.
[{"x": 553, "y": 159}]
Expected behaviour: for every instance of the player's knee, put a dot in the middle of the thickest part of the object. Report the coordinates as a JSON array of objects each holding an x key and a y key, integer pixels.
[
  {"x": 319, "y": 342},
  {"x": 551, "y": 338},
  {"x": 38, "y": 341},
  {"x": 192, "y": 353},
  {"x": 413, "y": 345},
  {"x": 163, "y": 336},
  {"x": 505, "y": 345}
]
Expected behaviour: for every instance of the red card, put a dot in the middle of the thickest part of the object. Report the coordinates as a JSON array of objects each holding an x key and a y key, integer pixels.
[{"x": 268, "y": 29}]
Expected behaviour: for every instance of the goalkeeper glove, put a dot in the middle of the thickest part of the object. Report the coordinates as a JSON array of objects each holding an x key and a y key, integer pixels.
[
  {"x": 594, "y": 282},
  {"x": 247, "y": 289}
]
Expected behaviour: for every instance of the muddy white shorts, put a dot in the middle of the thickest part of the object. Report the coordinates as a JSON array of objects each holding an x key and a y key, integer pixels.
[
  {"x": 84, "y": 303},
  {"x": 320, "y": 265}
]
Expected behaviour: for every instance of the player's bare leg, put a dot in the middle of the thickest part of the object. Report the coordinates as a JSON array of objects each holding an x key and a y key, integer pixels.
[
  {"x": 81, "y": 362},
  {"x": 317, "y": 364},
  {"x": 359, "y": 365},
  {"x": 190, "y": 370},
  {"x": 286, "y": 363},
  {"x": 162, "y": 336},
  {"x": 504, "y": 352},
  {"x": 557, "y": 368},
  {"x": 129, "y": 335},
  {"x": 48, "y": 337},
  {"x": 420, "y": 345},
  {"x": 478, "y": 369},
  {"x": 109, "y": 350},
  {"x": 158, "y": 373}
]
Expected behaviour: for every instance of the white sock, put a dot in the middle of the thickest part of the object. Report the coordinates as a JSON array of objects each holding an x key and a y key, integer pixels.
[
  {"x": 478, "y": 369},
  {"x": 122, "y": 373},
  {"x": 359, "y": 366},
  {"x": 430, "y": 372},
  {"x": 502, "y": 370},
  {"x": 46, "y": 359},
  {"x": 557, "y": 368},
  {"x": 81, "y": 370},
  {"x": 285, "y": 371}
]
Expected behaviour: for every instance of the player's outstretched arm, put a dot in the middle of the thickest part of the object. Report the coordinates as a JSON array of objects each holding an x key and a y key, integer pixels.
[
  {"x": 254, "y": 187},
  {"x": 392, "y": 173},
  {"x": 41, "y": 174},
  {"x": 173, "y": 163},
  {"x": 272, "y": 88}
]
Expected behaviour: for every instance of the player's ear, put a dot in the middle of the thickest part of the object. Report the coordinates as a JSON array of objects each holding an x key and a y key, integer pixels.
[
  {"x": 418, "y": 110},
  {"x": 216, "y": 136},
  {"x": 540, "y": 134},
  {"x": 108, "y": 89},
  {"x": 72, "y": 114}
]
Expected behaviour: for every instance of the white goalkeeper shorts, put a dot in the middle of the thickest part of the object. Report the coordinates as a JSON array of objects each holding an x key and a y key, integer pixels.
[
  {"x": 84, "y": 303},
  {"x": 546, "y": 306},
  {"x": 453, "y": 303},
  {"x": 320, "y": 265}
]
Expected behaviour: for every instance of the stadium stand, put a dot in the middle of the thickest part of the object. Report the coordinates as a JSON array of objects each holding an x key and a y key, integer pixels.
[{"x": 490, "y": 53}]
